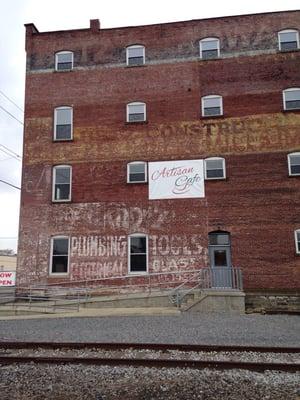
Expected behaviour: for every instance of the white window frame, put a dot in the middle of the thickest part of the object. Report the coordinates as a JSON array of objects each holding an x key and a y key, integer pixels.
[
  {"x": 147, "y": 254},
  {"x": 51, "y": 256},
  {"x": 55, "y": 121},
  {"x": 223, "y": 164},
  {"x": 288, "y": 31},
  {"x": 135, "y": 103},
  {"x": 284, "y": 100},
  {"x": 137, "y": 163},
  {"x": 134, "y": 46},
  {"x": 296, "y": 241},
  {"x": 289, "y": 162},
  {"x": 209, "y": 39},
  {"x": 54, "y": 169},
  {"x": 56, "y": 60},
  {"x": 211, "y": 96}
]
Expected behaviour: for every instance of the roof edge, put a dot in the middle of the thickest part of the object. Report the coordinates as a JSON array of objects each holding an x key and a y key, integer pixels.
[{"x": 33, "y": 30}]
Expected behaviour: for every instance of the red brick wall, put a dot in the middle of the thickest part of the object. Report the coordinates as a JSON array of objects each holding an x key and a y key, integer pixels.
[{"x": 258, "y": 203}]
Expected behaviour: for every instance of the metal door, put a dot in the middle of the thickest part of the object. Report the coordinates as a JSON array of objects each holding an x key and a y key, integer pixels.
[{"x": 220, "y": 262}]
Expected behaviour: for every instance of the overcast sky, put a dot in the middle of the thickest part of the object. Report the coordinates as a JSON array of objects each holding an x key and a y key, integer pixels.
[{"x": 70, "y": 14}]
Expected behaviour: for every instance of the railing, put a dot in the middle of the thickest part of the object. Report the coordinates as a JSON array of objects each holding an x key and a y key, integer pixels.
[
  {"x": 46, "y": 299},
  {"x": 208, "y": 278},
  {"x": 179, "y": 284},
  {"x": 148, "y": 282}
]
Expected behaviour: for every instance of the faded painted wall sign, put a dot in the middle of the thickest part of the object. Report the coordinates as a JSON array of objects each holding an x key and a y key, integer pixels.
[
  {"x": 176, "y": 179},
  {"x": 96, "y": 257},
  {"x": 257, "y": 133},
  {"x": 98, "y": 246},
  {"x": 248, "y": 134}
]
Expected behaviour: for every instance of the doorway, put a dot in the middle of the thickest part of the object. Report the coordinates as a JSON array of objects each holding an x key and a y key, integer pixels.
[{"x": 220, "y": 259}]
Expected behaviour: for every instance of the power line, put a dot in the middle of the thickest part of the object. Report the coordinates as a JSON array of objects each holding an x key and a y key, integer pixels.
[
  {"x": 10, "y": 184},
  {"x": 7, "y": 112},
  {"x": 3, "y": 94},
  {"x": 11, "y": 155},
  {"x": 10, "y": 152}
]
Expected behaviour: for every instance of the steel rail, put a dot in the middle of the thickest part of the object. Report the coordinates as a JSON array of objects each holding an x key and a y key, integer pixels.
[
  {"x": 145, "y": 346},
  {"x": 157, "y": 363}
]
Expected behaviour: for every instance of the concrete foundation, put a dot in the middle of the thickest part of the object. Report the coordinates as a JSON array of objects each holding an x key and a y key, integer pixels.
[
  {"x": 273, "y": 302},
  {"x": 225, "y": 301}
]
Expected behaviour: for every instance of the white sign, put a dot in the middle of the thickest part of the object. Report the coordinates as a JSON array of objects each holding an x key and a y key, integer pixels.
[
  {"x": 176, "y": 179},
  {"x": 7, "y": 278}
]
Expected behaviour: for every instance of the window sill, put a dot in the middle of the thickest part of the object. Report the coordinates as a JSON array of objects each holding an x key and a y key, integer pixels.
[
  {"x": 61, "y": 201},
  {"x": 291, "y": 110},
  {"x": 62, "y": 140},
  {"x": 212, "y": 116},
  {"x": 210, "y": 59},
  {"x": 63, "y": 70},
  {"x": 288, "y": 51},
  {"x": 58, "y": 274},
  {"x": 216, "y": 179},
  {"x": 140, "y": 182},
  {"x": 136, "y": 122},
  {"x": 135, "y": 66},
  {"x": 137, "y": 273}
]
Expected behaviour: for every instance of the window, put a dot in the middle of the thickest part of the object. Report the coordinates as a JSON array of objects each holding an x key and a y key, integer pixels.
[
  {"x": 288, "y": 40},
  {"x": 136, "y": 112},
  {"x": 64, "y": 61},
  {"x": 212, "y": 106},
  {"x": 291, "y": 99},
  {"x": 219, "y": 238},
  {"x": 297, "y": 241},
  {"x": 215, "y": 168},
  {"x": 59, "y": 263},
  {"x": 62, "y": 178},
  {"x": 63, "y": 123},
  {"x": 137, "y": 172},
  {"x": 294, "y": 163},
  {"x": 137, "y": 253},
  {"x": 135, "y": 55},
  {"x": 209, "y": 48}
]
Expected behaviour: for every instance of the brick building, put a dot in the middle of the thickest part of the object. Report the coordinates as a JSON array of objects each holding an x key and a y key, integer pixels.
[{"x": 103, "y": 103}]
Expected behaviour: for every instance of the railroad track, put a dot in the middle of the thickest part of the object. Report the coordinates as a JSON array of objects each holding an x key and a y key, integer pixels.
[{"x": 153, "y": 355}]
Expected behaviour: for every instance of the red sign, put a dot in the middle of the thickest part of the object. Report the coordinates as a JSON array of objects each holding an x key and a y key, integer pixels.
[{"x": 7, "y": 278}]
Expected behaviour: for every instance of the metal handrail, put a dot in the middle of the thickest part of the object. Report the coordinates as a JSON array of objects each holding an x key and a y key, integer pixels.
[
  {"x": 122, "y": 277},
  {"x": 209, "y": 278},
  {"x": 52, "y": 304},
  {"x": 202, "y": 278}
]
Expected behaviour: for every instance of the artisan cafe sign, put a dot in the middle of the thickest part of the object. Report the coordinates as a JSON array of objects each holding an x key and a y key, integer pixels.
[{"x": 176, "y": 179}]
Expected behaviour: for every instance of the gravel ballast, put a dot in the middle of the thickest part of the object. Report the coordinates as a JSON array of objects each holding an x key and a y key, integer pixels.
[
  {"x": 29, "y": 381},
  {"x": 260, "y": 330}
]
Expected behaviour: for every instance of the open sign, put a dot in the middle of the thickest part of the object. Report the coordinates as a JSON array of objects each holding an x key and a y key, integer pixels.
[{"x": 7, "y": 278}]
